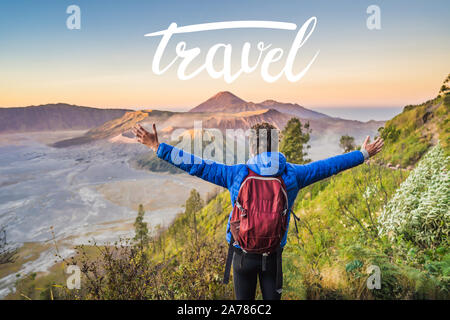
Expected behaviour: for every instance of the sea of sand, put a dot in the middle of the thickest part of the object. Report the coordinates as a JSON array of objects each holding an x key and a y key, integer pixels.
[{"x": 74, "y": 195}]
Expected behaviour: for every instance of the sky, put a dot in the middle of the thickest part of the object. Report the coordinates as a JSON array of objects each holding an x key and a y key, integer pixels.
[{"x": 108, "y": 62}]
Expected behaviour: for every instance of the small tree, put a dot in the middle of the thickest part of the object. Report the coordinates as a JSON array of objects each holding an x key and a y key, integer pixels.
[
  {"x": 194, "y": 204},
  {"x": 390, "y": 133},
  {"x": 294, "y": 143},
  {"x": 445, "y": 89},
  {"x": 347, "y": 143},
  {"x": 7, "y": 255},
  {"x": 140, "y": 227}
]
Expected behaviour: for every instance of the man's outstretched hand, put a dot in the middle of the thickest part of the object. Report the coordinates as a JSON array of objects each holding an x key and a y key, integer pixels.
[
  {"x": 145, "y": 137},
  {"x": 372, "y": 148}
]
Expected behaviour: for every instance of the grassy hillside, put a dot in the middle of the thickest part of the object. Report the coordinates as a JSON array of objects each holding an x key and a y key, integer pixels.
[{"x": 410, "y": 134}]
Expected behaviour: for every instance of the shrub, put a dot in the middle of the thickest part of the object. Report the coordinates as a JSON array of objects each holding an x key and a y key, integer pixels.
[
  {"x": 419, "y": 211},
  {"x": 390, "y": 133}
]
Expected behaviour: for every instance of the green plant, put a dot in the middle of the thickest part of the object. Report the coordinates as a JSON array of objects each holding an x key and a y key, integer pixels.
[
  {"x": 347, "y": 143},
  {"x": 419, "y": 211},
  {"x": 390, "y": 133},
  {"x": 294, "y": 142},
  {"x": 141, "y": 230}
]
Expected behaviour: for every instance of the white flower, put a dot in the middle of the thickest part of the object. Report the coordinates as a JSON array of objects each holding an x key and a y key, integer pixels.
[{"x": 420, "y": 207}]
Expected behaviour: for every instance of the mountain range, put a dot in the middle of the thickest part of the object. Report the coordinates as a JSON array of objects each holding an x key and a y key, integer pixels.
[
  {"x": 51, "y": 117},
  {"x": 222, "y": 111},
  {"x": 227, "y": 111},
  {"x": 227, "y": 102}
]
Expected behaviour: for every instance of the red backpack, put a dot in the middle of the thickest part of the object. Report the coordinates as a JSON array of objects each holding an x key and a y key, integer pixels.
[{"x": 259, "y": 219}]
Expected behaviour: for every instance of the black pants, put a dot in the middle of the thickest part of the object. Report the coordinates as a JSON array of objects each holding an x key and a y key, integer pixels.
[{"x": 247, "y": 268}]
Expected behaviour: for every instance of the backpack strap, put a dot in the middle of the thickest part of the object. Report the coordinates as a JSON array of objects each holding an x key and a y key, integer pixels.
[
  {"x": 226, "y": 276},
  {"x": 235, "y": 189},
  {"x": 279, "y": 276},
  {"x": 295, "y": 222},
  {"x": 264, "y": 262}
]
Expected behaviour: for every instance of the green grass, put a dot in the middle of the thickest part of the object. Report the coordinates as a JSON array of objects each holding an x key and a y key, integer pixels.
[{"x": 410, "y": 134}]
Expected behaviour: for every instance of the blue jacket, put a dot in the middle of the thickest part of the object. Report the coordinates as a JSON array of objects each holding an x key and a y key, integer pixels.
[{"x": 295, "y": 176}]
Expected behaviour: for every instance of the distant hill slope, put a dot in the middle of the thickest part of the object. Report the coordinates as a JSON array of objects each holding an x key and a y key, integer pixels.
[
  {"x": 327, "y": 130},
  {"x": 117, "y": 126},
  {"x": 51, "y": 117},
  {"x": 411, "y": 133},
  {"x": 227, "y": 102},
  {"x": 293, "y": 109}
]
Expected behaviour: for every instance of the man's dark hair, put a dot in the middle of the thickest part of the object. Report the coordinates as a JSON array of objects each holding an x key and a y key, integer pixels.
[{"x": 263, "y": 137}]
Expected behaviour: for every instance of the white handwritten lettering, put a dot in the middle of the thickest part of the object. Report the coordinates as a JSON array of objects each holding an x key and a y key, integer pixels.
[{"x": 273, "y": 55}]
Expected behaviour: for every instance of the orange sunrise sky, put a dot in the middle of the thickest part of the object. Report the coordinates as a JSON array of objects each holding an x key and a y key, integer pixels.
[{"x": 108, "y": 62}]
